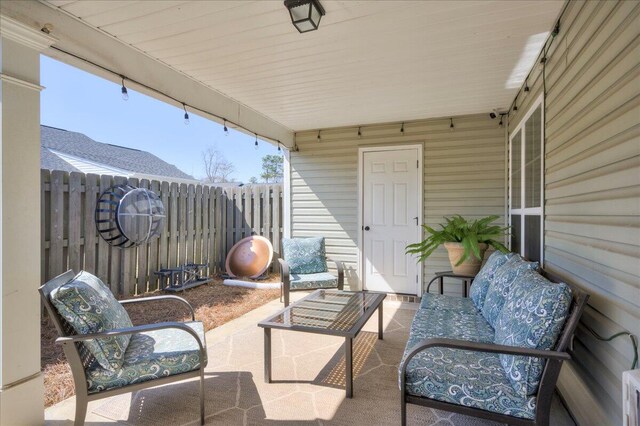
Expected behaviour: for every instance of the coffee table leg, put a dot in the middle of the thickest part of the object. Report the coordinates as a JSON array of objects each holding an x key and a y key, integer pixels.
[
  {"x": 267, "y": 355},
  {"x": 348, "y": 366},
  {"x": 380, "y": 322}
]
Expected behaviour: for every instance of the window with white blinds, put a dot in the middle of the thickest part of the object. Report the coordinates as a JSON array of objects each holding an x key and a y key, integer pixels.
[{"x": 526, "y": 191}]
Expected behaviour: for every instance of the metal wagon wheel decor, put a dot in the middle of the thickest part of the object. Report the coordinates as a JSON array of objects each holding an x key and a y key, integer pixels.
[{"x": 127, "y": 216}]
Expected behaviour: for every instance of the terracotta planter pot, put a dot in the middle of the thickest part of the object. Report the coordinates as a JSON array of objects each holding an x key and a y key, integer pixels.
[{"x": 471, "y": 266}]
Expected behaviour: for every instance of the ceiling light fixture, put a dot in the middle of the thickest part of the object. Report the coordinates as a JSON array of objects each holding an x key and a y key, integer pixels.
[{"x": 305, "y": 14}]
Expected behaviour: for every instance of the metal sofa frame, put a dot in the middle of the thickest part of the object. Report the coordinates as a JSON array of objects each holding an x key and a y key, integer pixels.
[
  {"x": 79, "y": 356},
  {"x": 548, "y": 380}
]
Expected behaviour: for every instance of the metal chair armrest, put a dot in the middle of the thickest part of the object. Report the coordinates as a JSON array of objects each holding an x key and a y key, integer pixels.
[
  {"x": 286, "y": 280},
  {"x": 340, "y": 268},
  {"x": 165, "y": 297},
  {"x": 78, "y": 338}
]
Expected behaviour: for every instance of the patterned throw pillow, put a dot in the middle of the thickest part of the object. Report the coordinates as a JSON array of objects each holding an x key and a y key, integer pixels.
[
  {"x": 89, "y": 307},
  {"x": 532, "y": 317},
  {"x": 500, "y": 286},
  {"x": 305, "y": 255},
  {"x": 483, "y": 279}
]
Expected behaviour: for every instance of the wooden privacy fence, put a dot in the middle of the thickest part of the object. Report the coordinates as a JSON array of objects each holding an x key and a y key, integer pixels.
[{"x": 201, "y": 225}]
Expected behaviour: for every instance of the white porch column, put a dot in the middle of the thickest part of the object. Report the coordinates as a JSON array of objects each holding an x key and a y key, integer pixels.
[{"x": 21, "y": 384}]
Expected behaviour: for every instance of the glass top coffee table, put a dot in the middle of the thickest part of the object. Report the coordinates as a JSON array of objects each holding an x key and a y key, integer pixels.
[{"x": 332, "y": 312}]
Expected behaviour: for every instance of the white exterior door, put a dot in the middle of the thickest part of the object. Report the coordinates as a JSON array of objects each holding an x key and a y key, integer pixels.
[{"x": 390, "y": 219}]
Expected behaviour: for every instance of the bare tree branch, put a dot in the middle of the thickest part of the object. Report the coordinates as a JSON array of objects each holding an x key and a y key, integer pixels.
[{"x": 217, "y": 168}]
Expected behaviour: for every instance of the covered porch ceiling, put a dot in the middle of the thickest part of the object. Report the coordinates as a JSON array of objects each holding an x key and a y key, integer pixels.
[{"x": 369, "y": 62}]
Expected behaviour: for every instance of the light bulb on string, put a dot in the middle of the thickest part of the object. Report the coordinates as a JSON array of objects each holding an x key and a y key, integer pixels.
[
  {"x": 451, "y": 126},
  {"x": 226, "y": 131},
  {"x": 125, "y": 94},
  {"x": 256, "y": 144},
  {"x": 186, "y": 115}
]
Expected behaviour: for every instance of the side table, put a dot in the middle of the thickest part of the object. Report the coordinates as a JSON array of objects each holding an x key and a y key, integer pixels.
[{"x": 467, "y": 280}]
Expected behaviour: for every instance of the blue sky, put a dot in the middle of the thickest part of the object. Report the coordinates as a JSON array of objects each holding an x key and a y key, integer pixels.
[{"x": 78, "y": 101}]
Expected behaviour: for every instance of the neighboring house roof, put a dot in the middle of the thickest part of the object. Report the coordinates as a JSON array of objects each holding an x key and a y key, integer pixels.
[{"x": 75, "y": 152}]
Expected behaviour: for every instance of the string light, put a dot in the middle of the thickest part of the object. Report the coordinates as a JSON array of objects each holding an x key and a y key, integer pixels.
[
  {"x": 501, "y": 123},
  {"x": 526, "y": 86},
  {"x": 125, "y": 95},
  {"x": 226, "y": 131},
  {"x": 279, "y": 146},
  {"x": 186, "y": 114},
  {"x": 256, "y": 144},
  {"x": 451, "y": 126},
  {"x": 402, "y": 128},
  {"x": 359, "y": 133},
  {"x": 318, "y": 135}
]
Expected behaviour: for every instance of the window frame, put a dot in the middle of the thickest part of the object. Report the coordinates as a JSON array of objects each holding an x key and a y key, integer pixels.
[{"x": 523, "y": 211}]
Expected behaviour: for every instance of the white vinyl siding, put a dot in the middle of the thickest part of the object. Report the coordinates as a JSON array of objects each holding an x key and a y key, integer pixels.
[
  {"x": 592, "y": 191},
  {"x": 464, "y": 173}
]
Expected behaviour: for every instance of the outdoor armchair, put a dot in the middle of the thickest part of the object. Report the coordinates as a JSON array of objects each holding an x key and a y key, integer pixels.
[
  {"x": 107, "y": 354},
  {"x": 304, "y": 267}
]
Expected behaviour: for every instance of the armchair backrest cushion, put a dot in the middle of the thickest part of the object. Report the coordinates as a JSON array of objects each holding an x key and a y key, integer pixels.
[
  {"x": 483, "y": 279},
  {"x": 90, "y": 307},
  {"x": 305, "y": 255},
  {"x": 501, "y": 284},
  {"x": 533, "y": 317}
]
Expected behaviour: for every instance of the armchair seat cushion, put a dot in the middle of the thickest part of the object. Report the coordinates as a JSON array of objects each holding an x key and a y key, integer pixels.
[
  {"x": 472, "y": 379},
  {"x": 309, "y": 281},
  {"x": 149, "y": 356},
  {"x": 90, "y": 307}
]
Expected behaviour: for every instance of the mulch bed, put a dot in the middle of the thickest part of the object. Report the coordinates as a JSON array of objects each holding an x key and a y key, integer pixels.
[{"x": 214, "y": 303}]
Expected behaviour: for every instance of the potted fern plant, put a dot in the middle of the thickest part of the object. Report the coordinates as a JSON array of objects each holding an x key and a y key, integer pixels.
[{"x": 465, "y": 241}]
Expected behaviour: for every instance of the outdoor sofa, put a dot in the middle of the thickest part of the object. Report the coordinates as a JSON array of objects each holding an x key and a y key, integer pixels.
[{"x": 497, "y": 354}]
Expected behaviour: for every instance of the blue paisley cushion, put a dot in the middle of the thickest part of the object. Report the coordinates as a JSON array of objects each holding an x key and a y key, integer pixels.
[
  {"x": 442, "y": 302},
  {"x": 431, "y": 323},
  {"x": 482, "y": 280},
  {"x": 151, "y": 355},
  {"x": 89, "y": 307},
  {"x": 472, "y": 379},
  {"x": 532, "y": 317},
  {"x": 305, "y": 255},
  {"x": 501, "y": 284},
  {"x": 320, "y": 280}
]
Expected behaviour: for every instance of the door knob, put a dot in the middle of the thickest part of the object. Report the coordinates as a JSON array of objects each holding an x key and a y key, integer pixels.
[{"x": 366, "y": 228}]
